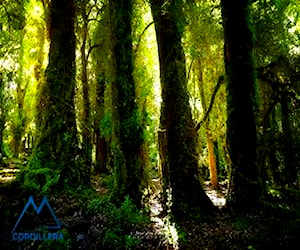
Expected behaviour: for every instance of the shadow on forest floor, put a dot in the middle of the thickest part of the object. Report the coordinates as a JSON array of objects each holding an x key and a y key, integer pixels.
[{"x": 277, "y": 226}]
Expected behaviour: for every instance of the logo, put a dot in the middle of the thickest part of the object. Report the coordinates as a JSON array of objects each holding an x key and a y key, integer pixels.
[{"x": 38, "y": 235}]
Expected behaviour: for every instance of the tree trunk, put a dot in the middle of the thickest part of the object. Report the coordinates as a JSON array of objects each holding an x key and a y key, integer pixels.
[
  {"x": 127, "y": 131},
  {"x": 86, "y": 115},
  {"x": 177, "y": 137},
  {"x": 18, "y": 123},
  {"x": 2, "y": 116},
  {"x": 57, "y": 144},
  {"x": 100, "y": 55},
  {"x": 101, "y": 143},
  {"x": 210, "y": 147},
  {"x": 212, "y": 161},
  {"x": 245, "y": 187},
  {"x": 290, "y": 171}
]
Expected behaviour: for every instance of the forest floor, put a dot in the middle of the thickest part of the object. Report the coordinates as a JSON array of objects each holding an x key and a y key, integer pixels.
[{"x": 276, "y": 227}]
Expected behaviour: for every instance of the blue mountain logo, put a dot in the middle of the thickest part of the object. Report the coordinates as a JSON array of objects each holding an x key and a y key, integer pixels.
[{"x": 38, "y": 210}]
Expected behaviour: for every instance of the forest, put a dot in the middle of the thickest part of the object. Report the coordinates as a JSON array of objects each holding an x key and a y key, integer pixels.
[{"x": 149, "y": 124}]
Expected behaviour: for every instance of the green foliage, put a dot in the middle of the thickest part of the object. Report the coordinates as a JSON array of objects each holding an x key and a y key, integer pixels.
[
  {"x": 131, "y": 241},
  {"x": 205, "y": 62},
  {"x": 99, "y": 205},
  {"x": 131, "y": 130},
  {"x": 14, "y": 14},
  {"x": 105, "y": 125},
  {"x": 7, "y": 151},
  {"x": 272, "y": 22},
  {"x": 119, "y": 222},
  {"x": 242, "y": 223},
  {"x": 42, "y": 180},
  {"x": 66, "y": 243},
  {"x": 107, "y": 181},
  {"x": 182, "y": 236}
]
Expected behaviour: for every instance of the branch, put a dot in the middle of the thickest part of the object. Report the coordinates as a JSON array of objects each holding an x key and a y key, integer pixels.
[
  {"x": 140, "y": 38},
  {"x": 99, "y": 11},
  {"x": 91, "y": 49},
  {"x": 279, "y": 88},
  {"x": 268, "y": 113},
  {"x": 94, "y": 19},
  {"x": 190, "y": 68},
  {"x": 212, "y": 100}
]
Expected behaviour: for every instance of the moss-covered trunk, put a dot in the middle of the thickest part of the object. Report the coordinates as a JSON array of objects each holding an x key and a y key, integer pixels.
[
  {"x": 245, "y": 190},
  {"x": 177, "y": 134},
  {"x": 101, "y": 142},
  {"x": 127, "y": 131},
  {"x": 56, "y": 150}
]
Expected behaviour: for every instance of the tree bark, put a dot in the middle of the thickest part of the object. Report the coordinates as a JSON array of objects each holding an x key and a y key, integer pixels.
[
  {"x": 127, "y": 131},
  {"x": 86, "y": 114},
  {"x": 177, "y": 139},
  {"x": 290, "y": 171},
  {"x": 245, "y": 192},
  {"x": 101, "y": 143},
  {"x": 210, "y": 147},
  {"x": 100, "y": 52},
  {"x": 2, "y": 116},
  {"x": 212, "y": 161},
  {"x": 57, "y": 142}
]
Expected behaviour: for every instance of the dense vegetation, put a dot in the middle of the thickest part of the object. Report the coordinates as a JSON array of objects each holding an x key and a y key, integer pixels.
[{"x": 138, "y": 119}]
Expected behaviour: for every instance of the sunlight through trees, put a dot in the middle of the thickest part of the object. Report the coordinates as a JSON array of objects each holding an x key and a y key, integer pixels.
[{"x": 186, "y": 108}]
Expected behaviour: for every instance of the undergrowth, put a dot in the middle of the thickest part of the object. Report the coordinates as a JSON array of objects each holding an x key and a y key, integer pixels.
[{"x": 119, "y": 222}]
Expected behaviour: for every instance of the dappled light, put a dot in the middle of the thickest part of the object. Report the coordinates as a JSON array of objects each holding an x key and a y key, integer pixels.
[
  {"x": 149, "y": 124},
  {"x": 8, "y": 174},
  {"x": 217, "y": 196}
]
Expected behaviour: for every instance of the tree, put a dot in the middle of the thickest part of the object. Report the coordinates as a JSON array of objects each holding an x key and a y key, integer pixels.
[
  {"x": 100, "y": 53},
  {"x": 127, "y": 131},
  {"x": 275, "y": 49},
  {"x": 2, "y": 117},
  {"x": 56, "y": 152},
  {"x": 12, "y": 22},
  {"x": 210, "y": 144},
  {"x": 19, "y": 119},
  {"x": 245, "y": 189},
  {"x": 100, "y": 140},
  {"x": 204, "y": 53},
  {"x": 177, "y": 136},
  {"x": 279, "y": 120},
  {"x": 84, "y": 10}
]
